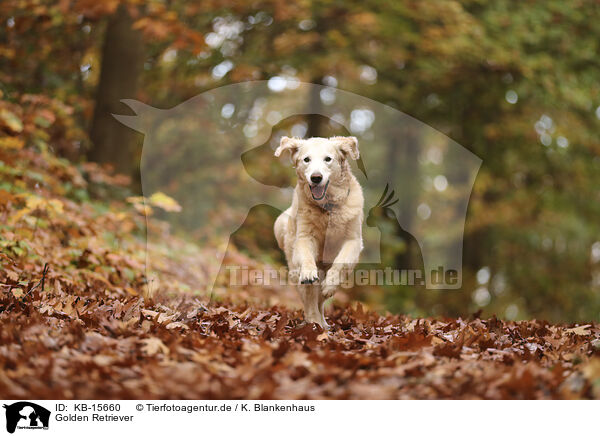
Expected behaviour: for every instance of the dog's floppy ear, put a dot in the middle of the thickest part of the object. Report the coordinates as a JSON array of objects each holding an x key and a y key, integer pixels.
[
  {"x": 287, "y": 144},
  {"x": 348, "y": 146}
]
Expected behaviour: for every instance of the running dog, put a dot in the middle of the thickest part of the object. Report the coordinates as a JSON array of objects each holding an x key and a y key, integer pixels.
[{"x": 323, "y": 226}]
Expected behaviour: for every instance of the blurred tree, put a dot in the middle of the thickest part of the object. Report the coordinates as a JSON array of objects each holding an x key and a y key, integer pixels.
[
  {"x": 515, "y": 82},
  {"x": 122, "y": 61}
]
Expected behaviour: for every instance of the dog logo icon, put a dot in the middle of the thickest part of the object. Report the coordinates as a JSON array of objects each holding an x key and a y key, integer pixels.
[{"x": 26, "y": 415}]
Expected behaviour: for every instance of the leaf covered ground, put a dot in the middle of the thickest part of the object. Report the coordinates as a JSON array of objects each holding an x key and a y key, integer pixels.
[
  {"x": 81, "y": 343},
  {"x": 75, "y": 323}
]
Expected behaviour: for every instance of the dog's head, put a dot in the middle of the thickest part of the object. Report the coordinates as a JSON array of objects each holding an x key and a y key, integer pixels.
[{"x": 320, "y": 162}]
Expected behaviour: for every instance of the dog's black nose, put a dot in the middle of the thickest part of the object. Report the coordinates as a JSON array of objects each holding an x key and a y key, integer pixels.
[{"x": 316, "y": 178}]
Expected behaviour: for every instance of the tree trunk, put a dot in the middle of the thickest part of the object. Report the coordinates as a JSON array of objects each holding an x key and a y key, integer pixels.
[
  {"x": 122, "y": 61},
  {"x": 313, "y": 119}
]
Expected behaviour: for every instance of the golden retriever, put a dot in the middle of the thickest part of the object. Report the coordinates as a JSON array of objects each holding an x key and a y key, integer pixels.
[{"x": 323, "y": 226}]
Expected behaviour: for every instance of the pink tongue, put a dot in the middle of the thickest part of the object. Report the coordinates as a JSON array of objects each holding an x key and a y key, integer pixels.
[{"x": 317, "y": 191}]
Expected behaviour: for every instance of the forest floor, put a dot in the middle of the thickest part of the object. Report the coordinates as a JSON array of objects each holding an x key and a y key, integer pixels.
[{"x": 75, "y": 323}]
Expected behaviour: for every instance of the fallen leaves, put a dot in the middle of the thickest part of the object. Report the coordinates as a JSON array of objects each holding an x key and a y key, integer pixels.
[
  {"x": 580, "y": 330},
  {"x": 115, "y": 346},
  {"x": 11, "y": 121},
  {"x": 152, "y": 346}
]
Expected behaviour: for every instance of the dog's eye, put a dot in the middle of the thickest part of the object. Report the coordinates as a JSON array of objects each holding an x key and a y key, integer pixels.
[
  {"x": 328, "y": 159},
  {"x": 307, "y": 159}
]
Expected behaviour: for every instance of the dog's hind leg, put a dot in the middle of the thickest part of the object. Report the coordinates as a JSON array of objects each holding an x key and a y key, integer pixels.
[
  {"x": 322, "y": 299},
  {"x": 310, "y": 295},
  {"x": 342, "y": 266},
  {"x": 280, "y": 227}
]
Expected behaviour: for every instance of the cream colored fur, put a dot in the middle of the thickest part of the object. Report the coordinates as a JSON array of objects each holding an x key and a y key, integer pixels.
[{"x": 325, "y": 231}]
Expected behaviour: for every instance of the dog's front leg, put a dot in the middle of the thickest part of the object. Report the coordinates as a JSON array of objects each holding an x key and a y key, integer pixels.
[
  {"x": 343, "y": 262},
  {"x": 304, "y": 256}
]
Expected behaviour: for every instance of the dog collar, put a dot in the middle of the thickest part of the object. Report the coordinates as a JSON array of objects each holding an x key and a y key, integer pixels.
[{"x": 329, "y": 205}]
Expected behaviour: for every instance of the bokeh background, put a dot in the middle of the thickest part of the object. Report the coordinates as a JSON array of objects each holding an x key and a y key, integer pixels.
[{"x": 516, "y": 83}]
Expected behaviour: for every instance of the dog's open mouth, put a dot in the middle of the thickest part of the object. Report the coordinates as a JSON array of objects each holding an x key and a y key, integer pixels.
[{"x": 318, "y": 191}]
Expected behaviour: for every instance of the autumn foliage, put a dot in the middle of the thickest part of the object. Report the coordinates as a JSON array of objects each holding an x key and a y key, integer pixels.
[
  {"x": 75, "y": 323},
  {"x": 514, "y": 82}
]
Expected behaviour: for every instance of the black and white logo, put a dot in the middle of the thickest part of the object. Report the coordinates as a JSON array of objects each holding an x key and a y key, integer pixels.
[{"x": 26, "y": 415}]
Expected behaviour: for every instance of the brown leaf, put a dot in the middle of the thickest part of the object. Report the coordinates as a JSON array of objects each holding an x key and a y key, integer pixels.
[{"x": 152, "y": 346}]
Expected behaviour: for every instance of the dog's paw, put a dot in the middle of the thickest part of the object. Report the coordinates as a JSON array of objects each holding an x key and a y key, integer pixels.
[
  {"x": 308, "y": 276},
  {"x": 294, "y": 276},
  {"x": 328, "y": 290},
  {"x": 332, "y": 278},
  {"x": 330, "y": 285},
  {"x": 309, "y": 280}
]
